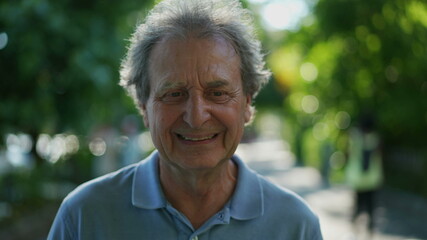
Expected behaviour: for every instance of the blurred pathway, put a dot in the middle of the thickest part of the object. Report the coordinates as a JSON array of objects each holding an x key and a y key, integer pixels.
[{"x": 399, "y": 216}]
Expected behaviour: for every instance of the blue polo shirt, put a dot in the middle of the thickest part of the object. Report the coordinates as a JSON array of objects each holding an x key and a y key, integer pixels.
[{"x": 130, "y": 204}]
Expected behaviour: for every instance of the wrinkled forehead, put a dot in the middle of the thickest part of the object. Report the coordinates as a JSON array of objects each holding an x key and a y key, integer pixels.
[
  {"x": 172, "y": 47},
  {"x": 213, "y": 55}
]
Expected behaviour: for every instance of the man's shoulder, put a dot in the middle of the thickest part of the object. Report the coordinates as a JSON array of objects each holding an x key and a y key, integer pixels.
[
  {"x": 276, "y": 200},
  {"x": 285, "y": 213},
  {"x": 104, "y": 188},
  {"x": 280, "y": 200}
]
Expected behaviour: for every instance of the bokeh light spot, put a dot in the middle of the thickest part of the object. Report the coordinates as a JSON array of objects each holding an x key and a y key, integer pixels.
[
  {"x": 98, "y": 147},
  {"x": 308, "y": 71},
  {"x": 342, "y": 120},
  {"x": 320, "y": 131},
  {"x": 72, "y": 144},
  {"x": 3, "y": 40},
  {"x": 58, "y": 148},
  {"x": 310, "y": 104}
]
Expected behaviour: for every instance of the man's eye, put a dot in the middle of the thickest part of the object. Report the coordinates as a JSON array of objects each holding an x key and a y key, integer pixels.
[
  {"x": 218, "y": 96},
  {"x": 174, "y": 96},
  {"x": 217, "y": 93}
]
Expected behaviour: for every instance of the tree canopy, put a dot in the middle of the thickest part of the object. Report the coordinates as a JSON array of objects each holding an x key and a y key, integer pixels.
[
  {"x": 60, "y": 65},
  {"x": 358, "y": 58}
]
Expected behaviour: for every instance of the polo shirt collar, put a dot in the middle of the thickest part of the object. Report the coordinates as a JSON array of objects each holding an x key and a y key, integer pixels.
[
  {"x": 146, "y": 190},
  {"x": 246, "y": 202}
]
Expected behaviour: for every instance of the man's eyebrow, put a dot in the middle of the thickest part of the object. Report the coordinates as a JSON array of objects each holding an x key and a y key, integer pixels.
[
  {"x": 171, "y": 85},
  {"x": 217, "y": 83},
  {"x": 168, "y": 85}
]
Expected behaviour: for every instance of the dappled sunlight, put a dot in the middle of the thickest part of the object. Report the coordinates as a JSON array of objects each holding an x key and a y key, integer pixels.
[
  {"x": 284, "y": 14},
  {"x": 277, "y": 15}
]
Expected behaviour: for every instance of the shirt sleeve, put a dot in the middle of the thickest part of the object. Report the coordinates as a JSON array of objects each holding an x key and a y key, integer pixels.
[
  {"x": 61, "y": 227},
  {"x": 316, "y": 231}
]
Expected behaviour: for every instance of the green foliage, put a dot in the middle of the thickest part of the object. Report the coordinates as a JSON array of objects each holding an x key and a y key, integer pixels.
[
  {"x": 382, "y": 64},
  {"x": 59, "y": 73},
  {"x": 359, "y": 57},
  {"x": 60, "y": 67}
]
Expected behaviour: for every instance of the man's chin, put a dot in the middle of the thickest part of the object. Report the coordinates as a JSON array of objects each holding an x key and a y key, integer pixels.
[{"x": 201, "y": 162}]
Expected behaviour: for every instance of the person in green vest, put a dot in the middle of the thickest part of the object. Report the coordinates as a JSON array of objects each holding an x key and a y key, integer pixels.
[{"x": 364, "y": 170}]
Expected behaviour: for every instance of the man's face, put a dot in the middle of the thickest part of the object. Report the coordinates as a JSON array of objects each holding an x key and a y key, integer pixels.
[{"x": 197, "y": 108}]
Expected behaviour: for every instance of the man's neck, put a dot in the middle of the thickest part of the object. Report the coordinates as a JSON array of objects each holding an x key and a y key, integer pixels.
[{"x": 199, "y": 194}]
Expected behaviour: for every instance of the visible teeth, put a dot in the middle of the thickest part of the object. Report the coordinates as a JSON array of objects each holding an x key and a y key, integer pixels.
[{"x": 196, "y": 139}]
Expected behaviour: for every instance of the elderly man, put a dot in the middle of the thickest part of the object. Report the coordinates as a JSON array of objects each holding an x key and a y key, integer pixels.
[{"x": 193, "y": 69}]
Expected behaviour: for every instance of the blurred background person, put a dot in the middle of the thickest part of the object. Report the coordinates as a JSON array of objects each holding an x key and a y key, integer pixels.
[{"x": 364, "y": 170}]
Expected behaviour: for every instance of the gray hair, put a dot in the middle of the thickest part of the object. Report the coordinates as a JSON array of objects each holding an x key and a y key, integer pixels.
[{"x": 193, "y": 18}]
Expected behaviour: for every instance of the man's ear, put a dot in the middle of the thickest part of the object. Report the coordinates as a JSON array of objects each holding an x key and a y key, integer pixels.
[
  {"x": 249, "y": 110},
  {"x": 143, "y": 108}
]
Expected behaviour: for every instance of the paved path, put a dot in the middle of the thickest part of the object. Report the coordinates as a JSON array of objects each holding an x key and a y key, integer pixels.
[{"x": 399, "y": 215}]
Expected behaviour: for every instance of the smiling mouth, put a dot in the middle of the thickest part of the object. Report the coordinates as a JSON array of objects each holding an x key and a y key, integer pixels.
[{"x": 196, "y": 139}]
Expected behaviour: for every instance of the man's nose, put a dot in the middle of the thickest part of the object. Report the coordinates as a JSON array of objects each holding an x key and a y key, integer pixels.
[{"x": 197, "y": 111}]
